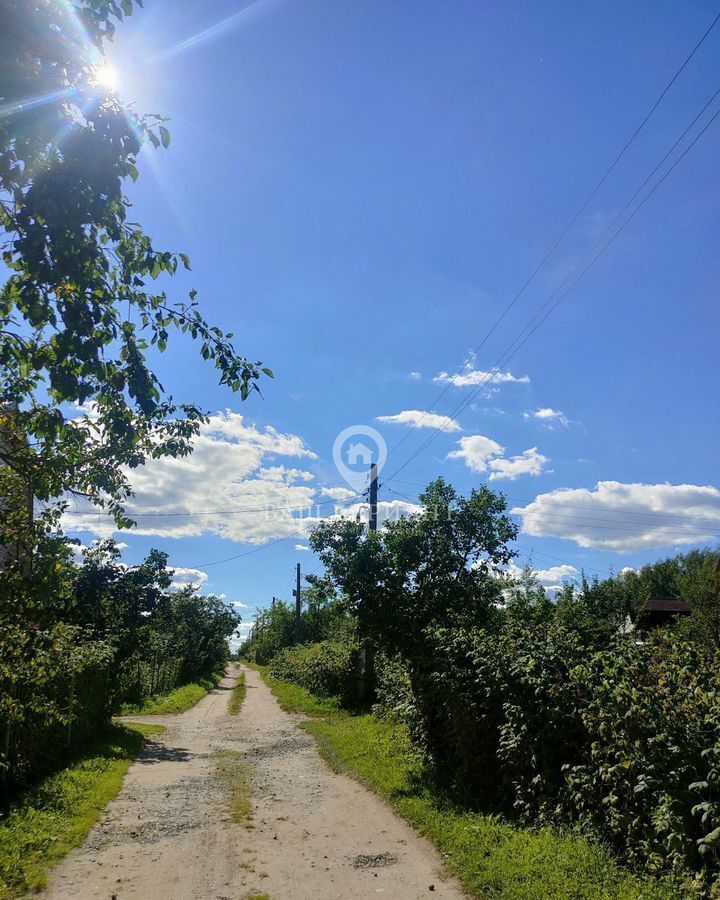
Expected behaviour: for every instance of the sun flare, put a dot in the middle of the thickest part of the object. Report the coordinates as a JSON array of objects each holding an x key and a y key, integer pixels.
[{"x": 106, "y": 76}]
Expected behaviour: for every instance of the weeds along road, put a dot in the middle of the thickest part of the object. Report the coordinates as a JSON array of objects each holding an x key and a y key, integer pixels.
[{"x": 225, "y": 807}]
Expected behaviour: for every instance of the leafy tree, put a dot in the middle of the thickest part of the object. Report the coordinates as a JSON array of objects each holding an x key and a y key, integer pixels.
[
  {"x": 433, "y": 569},
  {"x": 699, "y": 584},
  {"x": 526, "y": 599},
  {"x": 82, "y": 306}
]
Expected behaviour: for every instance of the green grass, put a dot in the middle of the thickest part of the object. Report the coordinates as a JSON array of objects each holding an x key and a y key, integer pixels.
[
  {"x": 57, "y": 814},
  {"x": 491, "y": 857},
  {"x": 177, "y": 701},
  {"x": 237, "y": 696},
  {"x": 233, "y": 773}
]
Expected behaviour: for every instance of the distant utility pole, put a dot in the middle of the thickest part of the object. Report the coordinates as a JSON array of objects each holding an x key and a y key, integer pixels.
[
  {"x": 367, "y": 656},
  {"x": 274, "y": 602},
  {"x": 298, "y": 605},
  {"x": 373, "y": 497}
]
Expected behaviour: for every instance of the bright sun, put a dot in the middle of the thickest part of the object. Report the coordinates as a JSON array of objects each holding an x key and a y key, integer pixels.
[{"x": 106, "y": 75}]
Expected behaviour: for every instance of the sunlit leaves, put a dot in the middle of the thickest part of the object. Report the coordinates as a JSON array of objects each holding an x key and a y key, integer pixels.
[{"x": 83, "y": 303}]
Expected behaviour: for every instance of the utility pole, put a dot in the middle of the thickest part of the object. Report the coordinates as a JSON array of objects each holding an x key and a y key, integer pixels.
[
  {"x": 298, "y": 605},
  {"x": 367, "y": 655},
  {"x": 373, "y": 498},
  {"x": 274, "y": 601}
]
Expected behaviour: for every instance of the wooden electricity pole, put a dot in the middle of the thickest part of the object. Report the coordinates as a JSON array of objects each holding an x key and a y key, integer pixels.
[
  {"x": 367, "y": 655},
  {"x": 298, "y": 605},
  {"x": 373, "y": 498}
]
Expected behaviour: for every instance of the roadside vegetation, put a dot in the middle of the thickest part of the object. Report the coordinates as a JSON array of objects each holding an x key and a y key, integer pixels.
[
  {"x": 59, "y": 811},
  {"x": 489, "y": 856},
  {"x": 84, "y": 315},
  {"x": 178, "y": 701},
  {"x": 525, "y": 710},
  {"x": 123, "y": 639}
]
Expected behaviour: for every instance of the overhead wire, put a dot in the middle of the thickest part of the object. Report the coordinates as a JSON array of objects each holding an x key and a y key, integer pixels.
[
  {"x": 562, "y": 235},
  {"x": 549, "y": 306}
]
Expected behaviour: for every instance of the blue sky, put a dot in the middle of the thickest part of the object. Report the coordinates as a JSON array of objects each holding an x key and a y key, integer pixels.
[{"x": 362, "y": 188}]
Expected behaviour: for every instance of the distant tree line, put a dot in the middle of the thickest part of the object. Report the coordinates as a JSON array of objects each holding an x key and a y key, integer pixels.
[{"x": 98, "y": 635}]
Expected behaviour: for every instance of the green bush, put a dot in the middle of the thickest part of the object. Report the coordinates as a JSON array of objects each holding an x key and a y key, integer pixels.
[
  {"x": 625, "y": 739},
  {"x": 53, "y": 698},
  {"x": 326, "y": 668},
  {"x": 395, "y": 701}
]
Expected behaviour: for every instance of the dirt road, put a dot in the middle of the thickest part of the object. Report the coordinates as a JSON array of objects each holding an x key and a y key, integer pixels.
[{"x": 170, "y": 834}]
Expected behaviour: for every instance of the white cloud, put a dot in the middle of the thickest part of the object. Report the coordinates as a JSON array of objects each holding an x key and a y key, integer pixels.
[
  {"x": 231, "y": 486},
  {"x": 476, "y": 377},
  {"x": 388, "y": 511},
  {"x": 482, "y": 454},
  {"x": 548, "y": 417},
  {"x": 421, "y": 419},
  {"x": 529, "y": 462},
  {"x": 236, "y": 604},
  {"x": 626, "y": 517},
  {"x": 302, "y": 548},
  {"x": 552, "y": 579},
  {"x": 182, "y": 577},
  {"x": 416, "y": 376},
  {"x": 476, "y": 451},
  {"x": 338, "y": 493}
]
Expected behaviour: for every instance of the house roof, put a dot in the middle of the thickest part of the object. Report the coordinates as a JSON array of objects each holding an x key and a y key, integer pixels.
[{"x": 667, "y": 604}]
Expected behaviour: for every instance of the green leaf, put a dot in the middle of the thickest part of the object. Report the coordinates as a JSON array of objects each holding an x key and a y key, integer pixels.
[{"x": 164, "y": 136}]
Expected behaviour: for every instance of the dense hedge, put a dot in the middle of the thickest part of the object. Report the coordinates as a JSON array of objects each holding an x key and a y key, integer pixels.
[
  {"x": 54, "y": 696},
  {"x": 326, "y": 669},
  {"x": 624, "y": 739}
]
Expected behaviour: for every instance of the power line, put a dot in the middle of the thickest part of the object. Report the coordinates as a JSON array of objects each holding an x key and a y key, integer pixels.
[
  {"x": 288, "y": 537},
  {"x": 630, "y": 512},
  {"x": 550, "y": 306},
  {"x": 564, "y": 232},
  {"x": 220, "y": 512},
  {"x": 583, "y": 522},
  {"x": 580, "y": 522}
]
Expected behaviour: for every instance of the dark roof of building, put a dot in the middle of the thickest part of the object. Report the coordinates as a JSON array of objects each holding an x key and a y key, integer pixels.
[{"x": 667, "y": 604}]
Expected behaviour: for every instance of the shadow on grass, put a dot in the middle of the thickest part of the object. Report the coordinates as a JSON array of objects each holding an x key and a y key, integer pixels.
[{"x": 113, "y": 742}]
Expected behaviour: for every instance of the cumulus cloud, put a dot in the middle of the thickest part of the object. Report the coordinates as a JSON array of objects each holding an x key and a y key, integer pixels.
[
  {"x": 338, "y": 493},
  {"x": 626, "y": 517},
  {"x": 529, "y": 462},
  {"x": 549, "y": 417},
  {"x": 302, "y": 548},
  {"x": 475, "y": 377},
  {"x": 552, "y": 579},
  {"x": 416, "y": 376},
  {"x": 476, "y": 451},
  {"x": 421, "y": 419},
  {"x": 482, "y": 454},
  {"x": 388, "y": 511},
  {"x": 182, "y": 577},
  {"x": 232, "y": 485}
]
